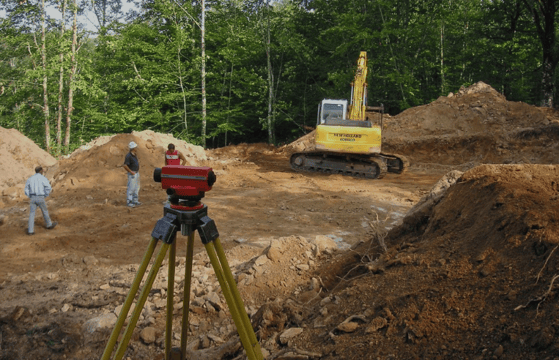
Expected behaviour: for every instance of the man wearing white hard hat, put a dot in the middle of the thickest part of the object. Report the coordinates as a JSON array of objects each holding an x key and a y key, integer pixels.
[{"x": 132, "y": 166}]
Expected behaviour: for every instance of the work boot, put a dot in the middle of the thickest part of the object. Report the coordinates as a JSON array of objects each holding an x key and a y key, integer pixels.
[
  {"x": 131, "y": 205},
  {"x": 52, "y": 225},
  {"x": 137, "y": 203}
]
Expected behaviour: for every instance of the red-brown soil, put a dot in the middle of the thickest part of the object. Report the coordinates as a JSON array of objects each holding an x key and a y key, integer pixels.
[{"x": 405, "y": 267}]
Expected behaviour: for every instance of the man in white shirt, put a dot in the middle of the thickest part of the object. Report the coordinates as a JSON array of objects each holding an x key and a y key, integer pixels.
[{"x": 37, "y": 188}]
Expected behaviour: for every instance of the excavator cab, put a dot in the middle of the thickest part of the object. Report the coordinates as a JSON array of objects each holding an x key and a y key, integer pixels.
[{"x": 330, "y": 111}]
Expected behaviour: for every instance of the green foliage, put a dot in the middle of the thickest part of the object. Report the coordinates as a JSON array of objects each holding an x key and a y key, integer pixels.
[{"x": 146, "y": 73}]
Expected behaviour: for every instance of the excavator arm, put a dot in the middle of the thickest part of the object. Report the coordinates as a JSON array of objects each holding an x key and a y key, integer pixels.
[{"x": 358, "y": 104}]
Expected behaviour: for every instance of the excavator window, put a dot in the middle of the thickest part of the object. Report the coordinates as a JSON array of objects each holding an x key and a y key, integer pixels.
[{"x": 331, "y": 112}]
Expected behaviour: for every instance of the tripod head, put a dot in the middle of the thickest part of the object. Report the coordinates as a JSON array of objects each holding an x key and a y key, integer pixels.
[{"x": 186, "y": 185}]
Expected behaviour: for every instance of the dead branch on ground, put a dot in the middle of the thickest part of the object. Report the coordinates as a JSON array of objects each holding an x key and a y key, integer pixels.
[
  {"x": 545, "y": 264},
  {"x": 539, "y": 299}
]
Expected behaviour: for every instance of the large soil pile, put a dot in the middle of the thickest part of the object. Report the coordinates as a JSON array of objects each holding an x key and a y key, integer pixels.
[
  {"x": 99, "y": 164},
  {"x": 18, "y": 158},
  {"x": 474, "y": 126},
  {"x": 473, "y": 276}
]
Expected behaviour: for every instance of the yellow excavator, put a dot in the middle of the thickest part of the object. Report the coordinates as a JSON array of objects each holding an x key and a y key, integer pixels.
[{"x": 349, "y": 136}]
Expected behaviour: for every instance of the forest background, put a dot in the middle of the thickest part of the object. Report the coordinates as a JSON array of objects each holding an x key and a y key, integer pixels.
[{"x": 219, "y": 72}]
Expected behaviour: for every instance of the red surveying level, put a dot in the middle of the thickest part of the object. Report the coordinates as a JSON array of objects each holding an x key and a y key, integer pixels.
[{"x": 186, "y": 186}]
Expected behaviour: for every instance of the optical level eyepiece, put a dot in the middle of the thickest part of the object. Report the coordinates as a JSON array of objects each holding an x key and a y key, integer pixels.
[{"x": 157, "y": 175}]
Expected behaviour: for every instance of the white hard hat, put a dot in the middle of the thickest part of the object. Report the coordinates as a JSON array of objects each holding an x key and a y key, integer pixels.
[{"x": 132, "y": 145}]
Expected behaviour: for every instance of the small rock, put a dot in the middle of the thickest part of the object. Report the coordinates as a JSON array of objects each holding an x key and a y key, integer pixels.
[
  {"x": 376, "y": 324},
  {"x": 216, "y": 339},
  {"x": 205, "y": 342},
  {"x": 289, "y": 334},
  {"x": 326, "y": 300},
  {"x": 104, "y": 321},
  {"x": 52, "y": 276},
  {"x": 148, "y": 335},
  {"x": 90, "y": 260},
  {"x": 315, "y": 284},
  {"x": 273, "y": 254},
  {"x": 261, "y": 260},
  {"x": 160, "y": 303},
  {"x": 499, "y": 351},
  {"x": 105, "y": 287},
  {"x": 65, "y": 308},
  {"x": 348, "y": 327},
  {"x": 324, "y": 243}
]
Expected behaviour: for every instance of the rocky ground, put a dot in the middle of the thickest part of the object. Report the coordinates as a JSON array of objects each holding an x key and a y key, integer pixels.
[{"x": 455, "y": 259}]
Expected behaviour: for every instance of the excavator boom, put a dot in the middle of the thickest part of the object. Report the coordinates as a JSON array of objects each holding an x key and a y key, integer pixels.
[{"x": 359, "y": 90}]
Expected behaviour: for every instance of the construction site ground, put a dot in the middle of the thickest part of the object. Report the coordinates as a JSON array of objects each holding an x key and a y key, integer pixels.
[{"x": 454, "y": 259}]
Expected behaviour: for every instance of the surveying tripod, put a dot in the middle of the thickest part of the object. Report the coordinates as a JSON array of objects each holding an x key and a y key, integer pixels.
[{"x": 188, "y": 219}]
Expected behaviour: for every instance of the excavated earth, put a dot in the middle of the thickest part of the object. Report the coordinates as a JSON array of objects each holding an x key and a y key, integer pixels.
[{"x": 454, "y": 259}]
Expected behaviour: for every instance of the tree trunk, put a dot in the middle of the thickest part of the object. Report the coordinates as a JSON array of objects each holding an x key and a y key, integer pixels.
[
  {"x": 71, "y": 78},
  {"x": 61, "y": 80},
  {"x": 229, "y": 101},
  {"x": 548, "y": 85},
  {"x": 202, "y": 27},
  {"x": 182, "y": 91},
  {"x": 442, "y": 60},
  {"x": 543, "y": 12},
  {"x": 270, "y": 77},
  {"x": 45, "y": 79}
]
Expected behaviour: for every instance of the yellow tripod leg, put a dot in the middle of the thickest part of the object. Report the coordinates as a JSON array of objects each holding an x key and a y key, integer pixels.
[
  {"x": 186, "y": 297},
  {"x": 237, "y": 297},
  {"x": 233, "y": 308},
  {"x": 141, "y": 301},
  {"x": 129, "y": 299},
  {"x": 170, "y": 297}
]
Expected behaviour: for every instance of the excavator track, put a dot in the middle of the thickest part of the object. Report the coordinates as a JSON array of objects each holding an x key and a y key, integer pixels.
[
  {"x": 396, "y": 163},
  {"x": 356, "y": 165}
]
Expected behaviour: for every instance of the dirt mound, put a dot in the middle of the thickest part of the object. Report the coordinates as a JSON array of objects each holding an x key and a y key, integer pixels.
[
  {"x": 477, "y": 125},
  {"x": 474, "y": 126},
  {"x": 478, "y": 109},
  {"x": 471, "y": 276},
  {"x": 304, "y": 143},
  {"x": 18, "y": 158},
  {"x": 99, "y": 163}
]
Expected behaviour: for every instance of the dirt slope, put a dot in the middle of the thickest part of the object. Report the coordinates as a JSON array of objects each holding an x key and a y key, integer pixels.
[
  {"x": 470, "y": 277},
  {"x": 474, "y": 126},
  {"x": 101, "y": 164},
  {"x": 18, "y": 158}
]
